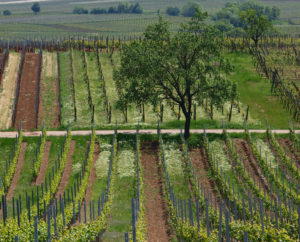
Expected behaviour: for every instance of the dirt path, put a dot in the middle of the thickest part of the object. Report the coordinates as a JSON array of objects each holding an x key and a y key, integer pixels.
[
  {"x": 8, "y": 87},
  {"x": 12, "y": 134},
  {"x": 48, "y": 104},
  {"x": 41, "y": 176},
  {"x": 27, "y": 93},
  {"x": 157, "y": 215},
  {"x": 199, "y": 161},
  {"x": 244, "y": 150},
  {"x": 67, "y": 171},
  {"x": 15, "y": 179},
  {"x": 92, "y": 179},
  {"x": 291, "y": 151}
]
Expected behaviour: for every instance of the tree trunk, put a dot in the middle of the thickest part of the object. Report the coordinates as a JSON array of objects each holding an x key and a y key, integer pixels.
[{"x": 187, "y": 126}]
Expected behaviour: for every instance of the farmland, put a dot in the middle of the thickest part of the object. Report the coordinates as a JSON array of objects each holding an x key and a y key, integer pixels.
[{"x": 108, "y": 134}]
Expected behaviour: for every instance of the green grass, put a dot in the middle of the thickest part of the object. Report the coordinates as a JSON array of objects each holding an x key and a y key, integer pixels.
[
  {"x": 120, "y": 219},
  {"x": 81, "y": 90},
  {"x": 6, "y": 146},
  {"x": 255, "y": 91},
  {"x": 96, "y": 88},
  {"x": 48, "y": 94},
  {"x": 67, "y": 108}
]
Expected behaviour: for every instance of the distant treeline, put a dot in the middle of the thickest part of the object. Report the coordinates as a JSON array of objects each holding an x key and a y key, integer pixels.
[{"x": 121, "y": 8}]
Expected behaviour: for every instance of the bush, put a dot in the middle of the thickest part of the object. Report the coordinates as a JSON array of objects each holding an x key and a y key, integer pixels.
[
  {"x": 98, "y": 11},
  {"x": 173, "y": 11},
  {"x": 80, "y": 10},
  {"x": 189, "y": 10},
  {"x": 6, "y": 12}
]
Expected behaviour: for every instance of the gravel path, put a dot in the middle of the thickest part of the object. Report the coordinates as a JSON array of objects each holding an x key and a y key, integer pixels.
[{"x": 13, "y": 134}]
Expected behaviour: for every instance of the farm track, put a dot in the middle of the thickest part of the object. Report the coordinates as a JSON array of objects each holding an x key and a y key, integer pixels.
[
  {"x": 92, "y": 179},
  {"x": 26, "y": 103},
  {"x": 67, "y": 171},
  {"x": 42, "y": 173},
  {"x": 157, "y": 215},
  {"x": 8, "y": 86},
  {"x": 287, "y": 144},
  {"x": 12, "y": 134},
  {"x": 200, "y": 163},
  {"x": 16, "y": 176},
  {"x": 244, "y": 150}
]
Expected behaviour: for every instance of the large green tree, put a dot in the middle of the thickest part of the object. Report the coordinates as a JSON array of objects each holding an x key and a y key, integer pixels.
[
  {"x": 255, "y": 24},
  {"x": 182, "y": 67}
]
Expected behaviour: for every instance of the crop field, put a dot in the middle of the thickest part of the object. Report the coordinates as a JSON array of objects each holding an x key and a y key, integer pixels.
[
  {"x": 74, "y": 86},
  {"x": 150, "y": 187}
]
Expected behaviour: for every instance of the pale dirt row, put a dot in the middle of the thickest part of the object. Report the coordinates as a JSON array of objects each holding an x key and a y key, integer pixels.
[{"x": 8, "y": 88}]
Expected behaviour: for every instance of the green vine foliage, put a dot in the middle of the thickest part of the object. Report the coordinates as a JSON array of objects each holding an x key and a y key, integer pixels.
[{"x": 40, "y": 155}]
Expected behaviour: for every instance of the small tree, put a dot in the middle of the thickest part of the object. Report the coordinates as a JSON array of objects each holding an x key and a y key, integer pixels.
[
  {"x": 255, "y": 24},
  {"x": 182, "y": 67},
  {"x": 173, "y": 11},
  {"x": 36, "y": 8},
  {"x": 6, "y": 12},
  {"x": 189, "y": 10}
]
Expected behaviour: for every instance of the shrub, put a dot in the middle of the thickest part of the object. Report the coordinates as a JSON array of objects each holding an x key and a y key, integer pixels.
[
  {"x": 6, "y": 12},
  {"x": 189, "y": 10},
  {"x": 173, "y": 11},
  {"x": 80, "y": 10},
  {"x": 98, "y": 11}
]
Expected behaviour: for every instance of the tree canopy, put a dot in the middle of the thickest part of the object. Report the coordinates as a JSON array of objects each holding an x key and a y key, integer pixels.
[
  {"x": 181, "y": 68},
  {"x": 255, "y": 24},
  {"x": 36, "y": 8}
]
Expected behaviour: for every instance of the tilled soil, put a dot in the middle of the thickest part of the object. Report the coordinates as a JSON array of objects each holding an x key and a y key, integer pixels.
[
  {"x": 291, "y": 151},
  {"x": 244, "y": 150},
  {"x": 41, "y": 176},
  {"x": 15, "y": 179},
  {"x": 199, "y": 161},
  {"x": 27, "y": 94},
  {"x": 67, "y": 171},
  {"x": 158, "y": 228},
  {"x": 92, "y": 179}
]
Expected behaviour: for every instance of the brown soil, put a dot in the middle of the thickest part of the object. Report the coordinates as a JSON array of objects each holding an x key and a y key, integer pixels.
[
  {"x": 291, "y": 151},
  {"x": 157, "y": 214},
  {"x": 200, "y": 163},
  {"x": 41, "y": 176},
  {"x": 67, "y": 171},
  {"x": 8, "y": 86},
  {"x": 244, "y": 150},
  {"x": 27, "y": 93},
  {"x": 15, "y": 179},
  {"x": 92, "y": 179}
]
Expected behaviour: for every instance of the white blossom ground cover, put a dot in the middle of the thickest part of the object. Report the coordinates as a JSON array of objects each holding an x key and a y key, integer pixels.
[{"x": 175, "y": 168}]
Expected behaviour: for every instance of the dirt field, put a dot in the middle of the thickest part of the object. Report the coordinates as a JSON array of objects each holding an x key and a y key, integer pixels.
[
  {"x": 26, "y": 102},
  {"x": 7, "y": 90}
]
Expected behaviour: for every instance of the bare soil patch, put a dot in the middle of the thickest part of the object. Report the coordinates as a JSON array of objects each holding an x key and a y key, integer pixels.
[
  {"x": 15, "y": 179},
  {"x": 27, "y": 93},
  {"x": 244, "y": 150},
  {"x": 8, "y": 87},
  {"x": 200, "y": 163},
  {"x": 67, "y": 171},
  {"x": 291, "y": 151},
  {"x": 41, "y": 176},
  {"x": 157, "y": 214}
]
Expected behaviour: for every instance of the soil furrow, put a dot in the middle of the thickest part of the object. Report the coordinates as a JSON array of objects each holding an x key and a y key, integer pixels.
[
  {"x": 67, "y": 171},
  {"x": 200, "y": 163},
  {"x": 158, "y": 228},
  {"x": 291, "y": 151},
  {"x": 41, "y": 176},
  {"x": 15, "y": 179},
  {"x": 244, "y": 150}
]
